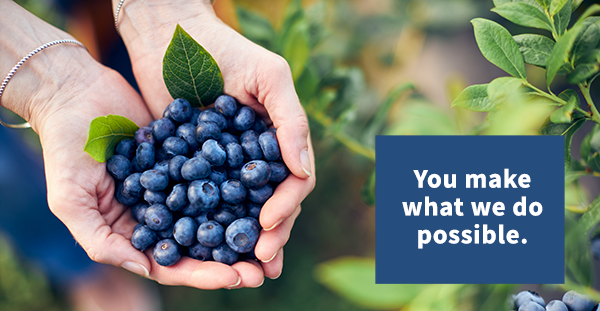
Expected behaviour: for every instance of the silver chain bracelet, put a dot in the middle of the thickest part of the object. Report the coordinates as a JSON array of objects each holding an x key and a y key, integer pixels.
[
  {"x": 19, "y": 64},
  {"x": 117, "y": 16}
]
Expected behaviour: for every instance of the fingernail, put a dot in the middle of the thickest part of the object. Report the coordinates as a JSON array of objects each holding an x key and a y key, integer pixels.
[
  {"x": 305, "y": 161},
  {"x": 275, "y": 278},
  {"x": 136, "y": 268},
  {"x": 274, "y": 226},
  {"x": 236, "y": 284},
  {"x": 259, "y": 285},
  {"x": 271, "y": 259}
]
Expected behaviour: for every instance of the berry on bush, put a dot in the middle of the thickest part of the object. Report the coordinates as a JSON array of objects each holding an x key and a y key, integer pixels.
[{"x": 207, "y": 206}]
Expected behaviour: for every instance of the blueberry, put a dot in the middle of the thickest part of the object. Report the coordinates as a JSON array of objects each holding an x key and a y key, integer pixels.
[
  {"x": 180, "y": 110},
  {"x": 191, "y": 210},
  {"x": 244, "y": 118},
  {"x": 173, "y": 146},
  {"x": 119, "y": 166},
  {"x": 138, "y": 212},
  {"x": 235, "y": 154},
  {"x": 227, "y": 138},
  {"x": 253, "y": 209},
  {"x": 155, "y": 197},
  {"x": 239, "y": 210},
  {"x": 166, "y": 252},
  {"x": 126, "y": 147},
  {"x": 214, "y": 152},
  {"x": 132, "y": 185},
  {"x": 226, "y": 105},
  {"x": 531, "y": 306},
  {"x": 203, "y": 217},
  {"x": 200, "y": 252},
  {"x": 187, "y": 132},
  {"x": 162, "y": 129},
  {"x": 279, "y": 172},
  {"x": 242, "y": 235},
  {"x": 143, "y": 237},
  {"x": 260, "y": 195},
  {"x": 250, "y": 145},
  {"x": 161, "y": 155},
  {"x": 154, "y": 180},
  {"x": 195, "y": 114},
  {"x": 233, "y": 173},
  {"x": 259, "y": 125},
  {"x": 151, "y": 124},
  {"x": 177, "y": 199},
  {"x": 224, "y": 217},
  {"x": 211, "y": 115},
  {"x": 210, "y": 233},
  {"x": 185, "y": 231},
  {"x": 577, "y": 302},
  {"x": 144, "y": 155},
  {"x": 203, "y": 194},
  {"x": 255, "y": 174},
  {"x": 230, "y": 128},
  {"x": 158, "y": 217},
  {"x": 162, "y": 166},
  {"x": 218, "y": 175},
  {"x": 223, "y": 253},
  {"x": 125, "y": 198},
  {"x": 207, "y": 130},
  {"x": 166, "y": 234},
  {"x": 269, "y": 146},
  {"x": 556, "y": 305},
  {"x": 174, "y": 168},
  {"x": 195, "y": 168},
  {"x": 144, "y": 135},
  {"x": 525, "y": 296},
  {"x": 232, "y": 191},
  {"x": 135, "y": 166}
]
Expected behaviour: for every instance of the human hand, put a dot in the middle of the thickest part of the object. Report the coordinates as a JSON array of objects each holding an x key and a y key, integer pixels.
[{"x": 255, "y": 77}]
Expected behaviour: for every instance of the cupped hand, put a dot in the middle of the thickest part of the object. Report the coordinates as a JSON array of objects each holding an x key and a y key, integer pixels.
[{"x": 255, "y": 77}]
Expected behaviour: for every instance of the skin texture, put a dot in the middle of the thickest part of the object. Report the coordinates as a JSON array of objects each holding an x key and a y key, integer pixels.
[{"x": 62, "y": 89}]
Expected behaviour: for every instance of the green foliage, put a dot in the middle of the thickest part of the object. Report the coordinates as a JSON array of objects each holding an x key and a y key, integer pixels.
[
  {"x": 474, "y": 97},
  {"x": 536, "y": 49},
  {"x": 190, "y": 72},
  {"x": 105, "y": 133},
  {"x": 524, "y": 14}
]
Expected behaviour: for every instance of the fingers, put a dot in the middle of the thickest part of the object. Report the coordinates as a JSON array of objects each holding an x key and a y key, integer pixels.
[
  {"x": 288, "y": 195},
  {"x": 251, "y": 274},
  {"x": 274, "y": 267},
  {"x": 272, "y": 241},
  {"x": 276, "y": 91}
]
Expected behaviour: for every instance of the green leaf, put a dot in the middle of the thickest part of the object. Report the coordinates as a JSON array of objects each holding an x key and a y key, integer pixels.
[
  {"x": 367, "y": 192},
  {"x": 594, "y": 142},
  {"x": 578, "y": 261},
  {"x": 575, "y": 4},
  {"x": 556, "y": 5},
  {"x": 523, "y": 14},
  {"x": 502, "y": 88},
  {"x": 354, "y": 279},
  {"x": 257, "y": 28},
  {"x": 562, "y": 19},
  {"x": 377, "y": 123},
  {"x": 564, "y": 114},
  {"x": 296, "y": 49},
  {"x": 594, "y": 162},
  {"x": 105, "y": 133},
  {"x": 534, "y": 3},
  {"x": 307, "y": 84},
  {"x": 560, "y": 53},
  {"x": 564, "y": 129},
  {"x": 592, "y": 215},
  {"x": 535, "y": 48},
  {"x": 587, "y": 40},
  {"x": 585, "y": 148},
  {"x": 190, "y": 72},
  {"x": 474, "y": 98},
  {"x": 591, "y": 10},
  {"x": 544, "y": 3},
  {"x": 498, "y": 46},
  {"x": 582, "y": 73}
]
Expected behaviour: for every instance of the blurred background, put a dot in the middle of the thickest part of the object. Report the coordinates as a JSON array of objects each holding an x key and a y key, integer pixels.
[{"x": 361, "y": 68}]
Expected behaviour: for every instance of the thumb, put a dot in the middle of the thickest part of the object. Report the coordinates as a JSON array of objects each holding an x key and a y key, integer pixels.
[{"x": 276, "y": 91}]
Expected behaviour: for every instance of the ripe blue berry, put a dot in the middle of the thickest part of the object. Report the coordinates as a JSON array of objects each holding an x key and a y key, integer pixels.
[
  {"x": 144, "y": 135},
  {"x": 279, "y": 172},
  {"x": 138, "y": 212},
  {"x": 125, "y": 198},
  {"x": 166, "y": 252},
  {"x": 260, "y": 195},
  {"x": 224, "y": 217},
  {"x": 132, "y": 185},
  {"x": 162, "y": 166},
  {"x": 531, "y": 306},
  {"x": 226, "y": 105},
  {"x": 227, "y": 138},
  {"x": 203, "y": 194},
  {"x": 202, "y": 218},
  {"x": 154, "y": 180},
  {"x": 185, "y": 231},
  {"x": 213, "y": 152},
  {"x": 239, "y": 210},
  {"x": 119, "y": 166},
  {"x": 195, "y": 114},
  {"x": 259, "y": 125},
  {"x": 163, "y": 128},
  {"x": 126, "y": 147},
  {"x": 218, "y": 175},
  {"x": 255, "y": 174},
  {"x": 177, "y": 199},
  {"x": 224, "y": 254},
  {"x": 154, "y": 197},
  {"x": 212, "y": 115},
  {"x": 253, "y": 209},
  {"x": 235, "y": 154},
  {"x": 187, "y": 132},
  {"x": 242, "y": 235},
  {"x": 174, "y": 168},
  {"x": 207, "y": 130},
  {"x": 556, "y": 305},
  {"x": 210, "y": 233},
  {"x": 180, "y": 110},
  {"x": 166, "y": 234},
  {"x": 173, "y": 146},
  {"x": 577, "y": 302},
  {"x": 269, "y": 146},
  {"x": 232, "y": 191},
  {"x": 144, "y": 155},
  {"x": 200, "y": 252},
  {"x": 525, "y": 296},
  {"x": 244, "y": 118},
  {"x": 250, "y": 145},
  {"x": 143, "y": 237},
  {"x": 158, "y": 217},
  {"x": 195, "y": 168}
]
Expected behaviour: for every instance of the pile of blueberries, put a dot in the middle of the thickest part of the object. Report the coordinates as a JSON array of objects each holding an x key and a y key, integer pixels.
[
  {"x": 196, "y": 181},
  {"x": 571, "y": 301}
]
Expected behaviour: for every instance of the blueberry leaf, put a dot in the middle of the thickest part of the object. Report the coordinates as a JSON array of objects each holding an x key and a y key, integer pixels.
[
  {"x": 557, "y": 5},
  {"x": 562, "y": 19},
  {"x": 475, "y": 98},
  {"x": 587, "y": 40},
  {"x": 535, "y": 48},
  {"x": 296, "y": 49},
  {"x": 190, "y": 72},
  {"x": 105, "y": 133},
  {"x": 592, "y": 215},
  {"x": 564, "y": 129},
  {"x": 523, "y": 14},
  {"x": 560, "y": 52},
  {"x": 499, "y": 47}
]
